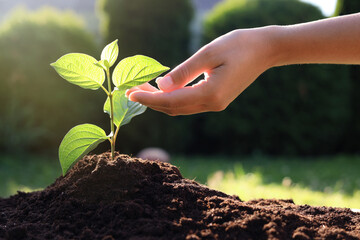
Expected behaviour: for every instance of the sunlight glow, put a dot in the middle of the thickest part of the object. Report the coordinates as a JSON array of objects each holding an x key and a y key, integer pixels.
[{"x": 326, "y": 6}]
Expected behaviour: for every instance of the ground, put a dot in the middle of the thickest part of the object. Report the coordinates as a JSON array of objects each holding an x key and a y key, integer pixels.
[{"x": 131, "y": 198}]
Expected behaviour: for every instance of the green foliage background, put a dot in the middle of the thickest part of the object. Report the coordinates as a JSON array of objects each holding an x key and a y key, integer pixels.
[
  {"x": 157, "y": 28},
  {"x": 351, "y": 141},
  {"x": 300, "y": 109},
  {"x": 305, "y": 109},
  {"x": 38, "y": 107},
  {"x": 347, "y": 7}
]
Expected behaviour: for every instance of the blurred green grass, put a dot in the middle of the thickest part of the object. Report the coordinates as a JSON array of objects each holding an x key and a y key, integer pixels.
[
  {"x": 26, "y": 173},
  {"x": 322, "y": 181}
]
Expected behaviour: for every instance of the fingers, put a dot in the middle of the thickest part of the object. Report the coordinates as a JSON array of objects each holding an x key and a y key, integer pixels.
[
  {"x": 182, "y": 101},
  {"x": 201, "y": 97},
  {"x": 175, "y": 99},
  {"x": 186, "y": 72},
  {"x": 145, "y": 87},
  {"x": 188, "y": 110}
]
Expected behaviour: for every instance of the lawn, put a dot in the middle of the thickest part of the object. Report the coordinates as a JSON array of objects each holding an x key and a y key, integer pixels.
[
  {"x": 322, "y": 181},
  {"x": 328, "y": 181},
  {"x": 26, "y": 173}
]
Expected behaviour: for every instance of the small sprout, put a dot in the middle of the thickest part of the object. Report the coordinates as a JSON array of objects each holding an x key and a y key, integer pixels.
[{"x": 87, "y": 72}]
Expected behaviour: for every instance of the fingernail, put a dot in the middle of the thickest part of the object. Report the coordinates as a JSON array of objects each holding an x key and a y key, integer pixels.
[
  {"x": 158, "y": 79},
  {"x": 129, "y": 91},
  {"x": 131, "y": 97},
  {"x": 165, "y": 83}
]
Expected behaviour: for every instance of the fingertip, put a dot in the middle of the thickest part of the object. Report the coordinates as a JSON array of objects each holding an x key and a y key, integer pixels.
[
  {"x": 158, "y": 79},
  {"x": 132, "y": 96},
  {"x": 129, "y": 91},
  {"x": 137, "y": 96},
  {"x": 166, "y": 83}
]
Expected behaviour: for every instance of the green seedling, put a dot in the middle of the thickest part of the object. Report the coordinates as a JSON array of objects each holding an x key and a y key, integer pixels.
[{"x": 89, "y": 73}]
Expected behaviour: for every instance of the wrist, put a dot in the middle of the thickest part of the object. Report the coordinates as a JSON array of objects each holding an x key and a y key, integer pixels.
[
  {"x": 276, "y": 54},
  {"x": 267, "y": 41}
]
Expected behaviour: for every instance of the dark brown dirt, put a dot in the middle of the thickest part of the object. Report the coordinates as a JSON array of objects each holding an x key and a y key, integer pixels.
[{"x": 131, "y": 198}]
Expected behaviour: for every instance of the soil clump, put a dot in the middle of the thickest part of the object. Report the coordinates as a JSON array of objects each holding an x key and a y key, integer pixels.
[{"x": 131, "y": 198}]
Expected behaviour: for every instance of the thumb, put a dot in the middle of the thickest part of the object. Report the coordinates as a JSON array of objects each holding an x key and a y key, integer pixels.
[{"x": 187, "y": 71}]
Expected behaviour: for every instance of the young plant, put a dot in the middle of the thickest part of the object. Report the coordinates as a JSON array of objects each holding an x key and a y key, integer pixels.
[{"x": 86, "y": 72}]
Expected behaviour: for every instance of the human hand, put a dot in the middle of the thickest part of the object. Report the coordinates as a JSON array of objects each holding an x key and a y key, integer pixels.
[
  {"x": 233, "y": 61},
  {"x": 230, "y": 64}
]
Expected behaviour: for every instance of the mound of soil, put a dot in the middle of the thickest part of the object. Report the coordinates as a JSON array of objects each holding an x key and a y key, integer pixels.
[{"x": 130, "y": 198}]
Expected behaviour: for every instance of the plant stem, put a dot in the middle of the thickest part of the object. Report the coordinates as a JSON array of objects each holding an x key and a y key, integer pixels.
[
  {"x": 116, "y": 133},
  {"x": 117, "y": 129},
  {"x": 106, "y": 91},
  {"x": 112, "y": 142}
]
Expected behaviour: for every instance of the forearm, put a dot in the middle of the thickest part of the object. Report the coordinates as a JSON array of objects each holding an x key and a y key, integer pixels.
[{"x": 334, "y": 40}]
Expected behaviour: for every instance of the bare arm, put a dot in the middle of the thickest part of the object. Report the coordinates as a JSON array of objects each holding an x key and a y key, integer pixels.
[
  {"x": 233, "y": 61},
  {"x": 333, "y": 40}
]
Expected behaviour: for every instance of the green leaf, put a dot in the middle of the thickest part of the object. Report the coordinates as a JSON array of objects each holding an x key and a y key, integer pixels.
[
  {"x": 104, "y": 64},
  {"x": 134, "y": 109},
  {"x": 80, "y": 69},
  {"x": 124, "y": 109},
  {"x": 136, "y": 70},
  {"x": 110, "y": 52},
  {"x": 78, "y": 142}
]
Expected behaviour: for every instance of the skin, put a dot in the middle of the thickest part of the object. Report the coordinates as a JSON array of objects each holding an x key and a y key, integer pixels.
[{"x": 233, "y": 61}]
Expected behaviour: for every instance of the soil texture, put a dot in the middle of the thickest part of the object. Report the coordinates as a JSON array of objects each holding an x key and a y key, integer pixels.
[{"x": 131, "y": 198}]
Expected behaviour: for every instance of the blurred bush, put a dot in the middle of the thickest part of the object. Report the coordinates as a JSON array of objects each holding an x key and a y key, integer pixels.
[
  {"x": 351, "y": 142},
  {"x": 347, "y": 7},
  {"x": 301, "y": 109},
  {"x": 38, "y": 107},
  {"x": 158, "y": 28}
]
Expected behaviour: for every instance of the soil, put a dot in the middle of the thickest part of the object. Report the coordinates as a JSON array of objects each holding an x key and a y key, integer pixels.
[{"x": 130, "y": 198}]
